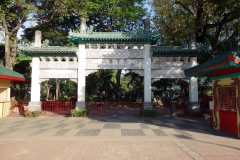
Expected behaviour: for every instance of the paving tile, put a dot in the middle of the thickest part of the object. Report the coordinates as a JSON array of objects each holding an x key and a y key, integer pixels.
[
  {"x": 182, "y": 132},
  {"x": 38, "y": 132},
  {"x": 110, "y": 133},
  {"x": 132, "y": 132},
  {"x": 144, "y": 126},
  {"x": 93, "y": 126},
  {"x": 167, "y": 125},
  {"x": 111, "y": 126},
  {"x": 80, "y": 125},
  {"x": 78, "y": 121},
  {"x": 11, "y": 130},
  {"x": 149, "y": 133},
  {"x": 97, "y": 121},
  {"x": 185, "y": 126},
  {"x": 61, "y": 132},
  {"x": 88, "y": 132},
  {"x": 62, "y": 125},
  {"x": 39, "y": 125},
  {"x": 159, "y": 132},
  {"x": 130, "y": 126}
]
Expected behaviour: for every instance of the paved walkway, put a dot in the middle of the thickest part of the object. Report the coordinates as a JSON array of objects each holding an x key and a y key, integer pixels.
[{"x": 114, "y": 138}]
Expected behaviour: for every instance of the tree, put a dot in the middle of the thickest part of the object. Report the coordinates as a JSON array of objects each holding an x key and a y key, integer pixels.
[
  {"x": 15, "y": 13},
  {"x": 211, "y": 20}
]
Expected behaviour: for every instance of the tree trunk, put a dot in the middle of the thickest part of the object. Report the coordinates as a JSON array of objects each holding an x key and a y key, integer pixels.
[
  {"x": 57, "y": 88},
  {"x": 118, "y": 84},
  {"x": 7, "y": 52},
  {"x": 47, "y": 90},
  {"x": 10, "y": 51}
]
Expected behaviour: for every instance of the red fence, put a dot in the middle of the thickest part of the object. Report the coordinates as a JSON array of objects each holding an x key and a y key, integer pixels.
[
  {"x": 113, "y": 108},
  {"x": 57, "y": 107}
]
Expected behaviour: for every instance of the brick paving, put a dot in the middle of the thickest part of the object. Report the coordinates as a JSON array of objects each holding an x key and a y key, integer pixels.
[{"x": 114, "y": 138}]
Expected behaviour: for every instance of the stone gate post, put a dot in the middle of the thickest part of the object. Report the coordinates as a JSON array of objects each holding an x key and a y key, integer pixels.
[{"x": 147, "y": 77}]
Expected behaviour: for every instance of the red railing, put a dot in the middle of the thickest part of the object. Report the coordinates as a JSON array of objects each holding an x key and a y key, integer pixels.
[
  {"x": 57, "y": 107},
  {"x": 113, "y": 108}
]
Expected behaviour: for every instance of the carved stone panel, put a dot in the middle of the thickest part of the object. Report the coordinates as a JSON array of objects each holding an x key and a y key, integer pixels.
[
  {"x": 114, "y": 64},
  {"x": 168, "y": 74},
  {"x": 59, "y": 65},
  {"x": 55, "y": 73},
  {"x": 170, "y": 63},
  {"x": 114, "y": 53}
]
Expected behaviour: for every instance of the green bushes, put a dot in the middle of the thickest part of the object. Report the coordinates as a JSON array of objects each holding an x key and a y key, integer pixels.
[
  {"x": 79, "y": 113},
  {"x": 29, "y": 114},
  {"x": 148, "y": 112}
]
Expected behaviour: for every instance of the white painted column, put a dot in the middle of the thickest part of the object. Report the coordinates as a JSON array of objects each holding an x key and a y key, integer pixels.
[
  {"x": 80, "y": 104},
  {"x": 194, "y": 105},
  {"x": 147, "y": 76},
  {"x": 34, "y": 104}
]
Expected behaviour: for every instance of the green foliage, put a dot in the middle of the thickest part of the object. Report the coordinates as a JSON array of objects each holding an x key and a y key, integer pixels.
[
  {"x": 112, "y": 15},
  {"x": 30, "y": 114},
  {"x": 79, "y": 113},
  {"x": 211, "y": 20},
  {"x": 147, "y": 112}
]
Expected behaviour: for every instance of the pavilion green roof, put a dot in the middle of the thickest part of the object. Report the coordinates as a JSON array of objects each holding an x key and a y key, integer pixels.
[
  {"x": 226, "y": 60},
  {"x": 176, "y": 51},
  {"x": 9, "y": 74},
  {"x": 139, "y": 37},
  {"x": 45, "y": 50}
]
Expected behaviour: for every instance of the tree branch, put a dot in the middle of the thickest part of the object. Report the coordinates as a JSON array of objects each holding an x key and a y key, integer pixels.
[
  {"x": 185, "y": 7},
  {"x": 225, "y": 20}
]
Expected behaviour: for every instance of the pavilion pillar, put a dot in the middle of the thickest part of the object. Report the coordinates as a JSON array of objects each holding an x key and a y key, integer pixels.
[
  {"x": 194, "y": 105},
  {"x": 34, "y": 104},
  {"x": 147, "y": 77},
  {"x": 80, "y": 104}
]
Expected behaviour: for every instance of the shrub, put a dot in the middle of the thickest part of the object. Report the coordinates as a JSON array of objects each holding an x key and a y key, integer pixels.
[
  {"x": 29, "y": 114},
  {"x": 79, "y": 113},
  {"x": 148, "y": 112}
]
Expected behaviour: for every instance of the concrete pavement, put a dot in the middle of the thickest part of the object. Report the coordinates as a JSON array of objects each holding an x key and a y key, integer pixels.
[{"x": 113, "y": 138}]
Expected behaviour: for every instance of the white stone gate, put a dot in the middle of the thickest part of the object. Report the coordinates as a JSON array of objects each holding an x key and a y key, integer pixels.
[{"x": 113, "y": 50}]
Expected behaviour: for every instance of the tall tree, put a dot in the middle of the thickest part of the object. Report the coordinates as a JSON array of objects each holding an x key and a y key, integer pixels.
[
  {"x": 15, "y": 14},
  {"x": 210, "y": 20}
]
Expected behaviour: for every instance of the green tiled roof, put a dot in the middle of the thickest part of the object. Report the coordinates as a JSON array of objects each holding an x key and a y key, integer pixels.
[
  {"x": 139, "y": 37},
  {"x": 9, "y": 73},
  {"x": 171, "y": 51},
  {"x": 49, "y": 51},
  {"x": 228, "y": 59}
]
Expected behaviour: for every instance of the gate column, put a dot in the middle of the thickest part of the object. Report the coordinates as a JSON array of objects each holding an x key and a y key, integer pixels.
[
  {"x": 147, "y": 77},
  {"x": 194, "y": 105},
  {"x": 80, "y": 104},
  {"x": 34, "y": 104}
]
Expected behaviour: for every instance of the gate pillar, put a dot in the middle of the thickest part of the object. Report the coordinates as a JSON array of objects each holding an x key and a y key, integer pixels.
[
  {"x": 80, "y": 104},
  {"x": 147, "y": 77},
  {"x": 34, "y": 104},
  {"x": 194, "y": 105}
]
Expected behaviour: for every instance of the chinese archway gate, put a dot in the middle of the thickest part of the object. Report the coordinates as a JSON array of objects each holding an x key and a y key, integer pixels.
[{"x": 110, "y": 50}]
